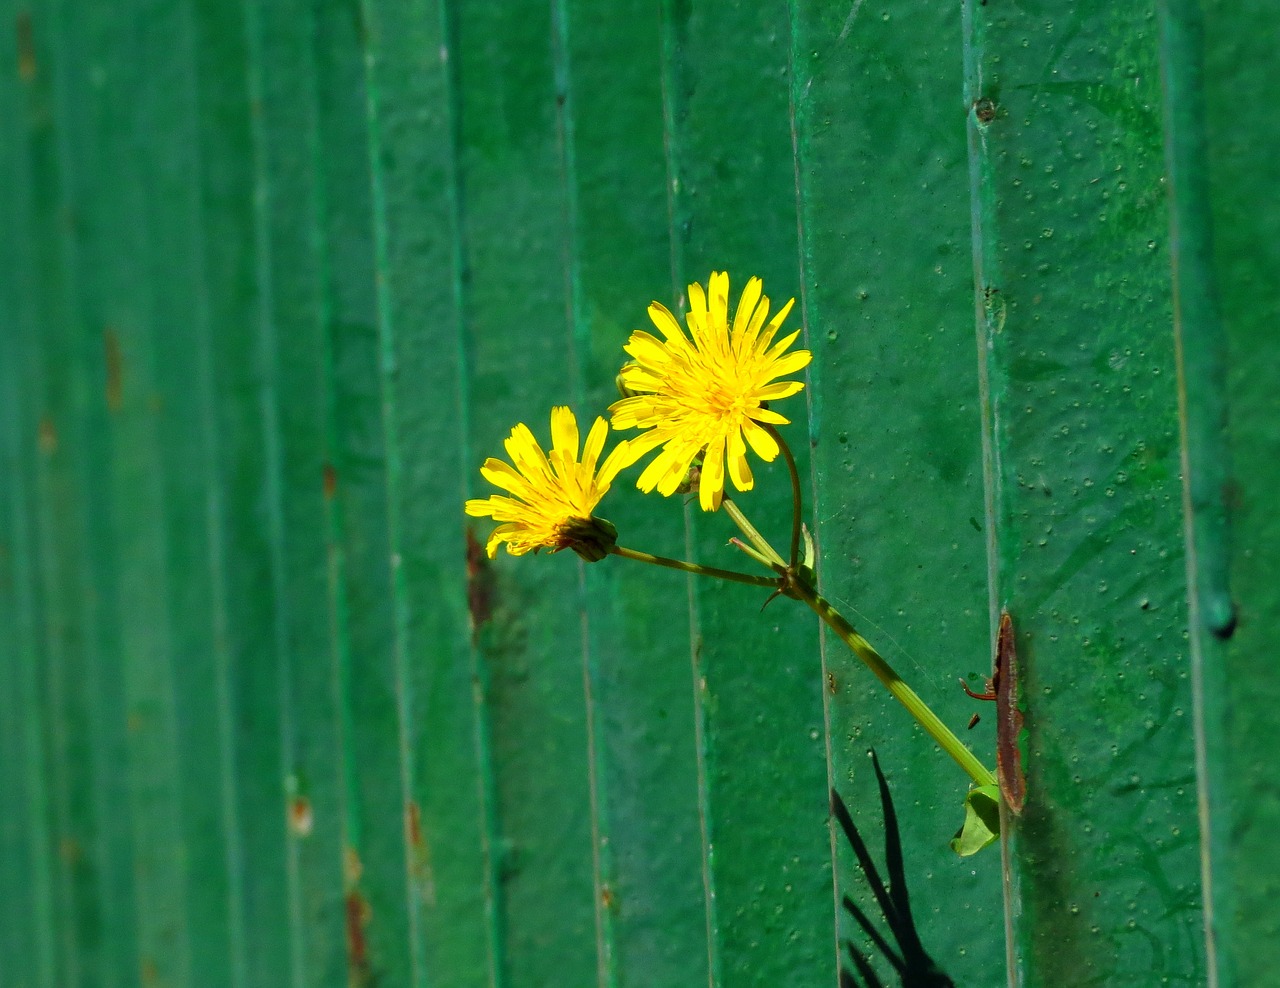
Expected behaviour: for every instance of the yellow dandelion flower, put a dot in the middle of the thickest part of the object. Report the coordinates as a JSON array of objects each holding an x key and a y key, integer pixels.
[
  {"x": 707, "y": 392},
  {"x": 552, "y": 494}
]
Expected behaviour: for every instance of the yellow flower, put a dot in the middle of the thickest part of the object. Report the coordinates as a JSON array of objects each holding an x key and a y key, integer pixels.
[
  {"x": 552, "y": 495},
  {"x": 707, "y": 391}
]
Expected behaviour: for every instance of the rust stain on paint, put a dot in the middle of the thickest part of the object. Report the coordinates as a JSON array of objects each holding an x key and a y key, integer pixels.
[
  {"x": 26, "y": 47},
  {"x": 301, "y": 818},
  {"x": 48, "y": 437},
  {"x": 114, "y": 358},
  {"x": 479, "y": 583},
  {"x": 330, "y": 481},
  {"x": 419, "y": 854},
  {"x": 357, "y": 914}
]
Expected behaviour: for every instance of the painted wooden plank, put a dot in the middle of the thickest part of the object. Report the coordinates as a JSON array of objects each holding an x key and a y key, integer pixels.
[
  {"x": 147, "y": 775},
  {"x": 519, "y": 337},
  {"x": 652, "y": 898},
  {"x": 283, "y": 81},
  {"x": 233, "y": 363},
  {"x": 380, "y": 929},
  {"x": 452, "y": 859},
  {"x": 1213, "y": 53},
  {"x": 58, "y": 513},
  {"x": 1072, "y": 244},
  {"x": 91, "y": 159},
  {"x": 897, "y": 450},
  {"x": 31, "y": 919},
  {"x": 759, "y": 676}
]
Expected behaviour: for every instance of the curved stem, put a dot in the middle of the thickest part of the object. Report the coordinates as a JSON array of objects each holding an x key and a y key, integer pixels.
[
  {"x": 796, "y": 505},
  {"x": 901, "y": 692},
  {"x": 687, "y": 567}
]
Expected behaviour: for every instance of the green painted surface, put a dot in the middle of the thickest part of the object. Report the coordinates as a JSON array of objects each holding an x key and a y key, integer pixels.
[
  {"x": 1073, "y": 246},
  {"x": 897, "y": 450},
  {"x": 648, "y": 760},
  {"x": 758, "y": 675},
  {"x": 1242, "y": 715},
  {"x": 292, "y": 347},
  {"x": 277, "y": 278}
]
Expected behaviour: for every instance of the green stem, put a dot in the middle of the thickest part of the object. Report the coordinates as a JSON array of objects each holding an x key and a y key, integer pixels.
[
  {"x": 796, "y": 506},
  {"x": 750, "y": 551},
  {"x": 680, "y": 564},
  {"x": 903, "y": 693},
  {"x": 749, "y": 530}
]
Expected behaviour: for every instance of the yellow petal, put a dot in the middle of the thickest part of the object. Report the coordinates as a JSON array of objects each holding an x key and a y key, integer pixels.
[
  {"x": 790, "y": 363},
  {"x": 625, "y": 412},
  {"x": 504, "y": 475},
  {"x": 675, "y": 462},
  {"x": 774, "y": 324},
  {"x": 500, "y": 535},
  {"x": 718, "y": 299},
  {"x": 527, "y": 454},
  {"x": 622, "y": 456},
  {"x": 746, "y": 307},
  {"x": 770, "y": 416},
  {"x": 595, "y": 444},
  {"x": 646, "y": 348},
  {"x": 664, "y": 320},
  {"x": 696, "y": 318},
  {"x": 478, "y": 508},
  {"x": 779, "y": 348},
  {"x": 739, "y": 469},
  {"x": 747, "y": 343},
  {"x": 778, "y": 391},
  {"x": 711, "y": 483},
  {"x": 564, "y": 430},
  {"x": 764, "y": 444}
]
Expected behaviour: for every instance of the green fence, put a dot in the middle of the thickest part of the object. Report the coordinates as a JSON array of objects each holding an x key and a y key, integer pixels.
[{"x": 278, "y": 276}]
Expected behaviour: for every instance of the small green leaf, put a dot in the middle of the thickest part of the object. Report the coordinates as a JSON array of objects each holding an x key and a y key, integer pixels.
[{"x": 981, "y": 821}]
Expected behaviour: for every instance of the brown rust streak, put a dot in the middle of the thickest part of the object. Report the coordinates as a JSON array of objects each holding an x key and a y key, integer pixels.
[
  {"x": 26, "y": 46},
  {"x": 330, "y": 475},
  {"x": 114, "y": 358},
  {"x": 358, "y": 915},
  {"x": 413, "y": 820},
  {"x": 479, "y": 583},
  {"x": 48, "y": 436},
  {"x": 419, "y": 854}
]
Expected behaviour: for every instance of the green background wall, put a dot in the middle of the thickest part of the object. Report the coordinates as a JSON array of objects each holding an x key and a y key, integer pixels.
[{"x": 277, "y": 276}]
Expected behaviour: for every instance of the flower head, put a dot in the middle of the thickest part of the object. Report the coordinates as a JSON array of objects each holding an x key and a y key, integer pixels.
[
  {"x": 707, "y": 392},
  {"x": 552, "y": 494}
]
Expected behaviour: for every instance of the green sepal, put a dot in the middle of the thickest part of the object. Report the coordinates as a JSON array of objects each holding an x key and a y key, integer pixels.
[
  {"x": 591, "y": 538},
  {"x": 981, "y": 821}
]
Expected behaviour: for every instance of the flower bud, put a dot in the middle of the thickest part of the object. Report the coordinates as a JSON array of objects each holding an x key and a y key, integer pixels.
[{"x": 591, "y": 538}]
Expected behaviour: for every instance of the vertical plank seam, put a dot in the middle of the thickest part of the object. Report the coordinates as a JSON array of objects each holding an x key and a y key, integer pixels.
[
  {"x": 159, "y": 654},
  {"x": 486, "y": 780},
  {"x": 795, "y": 99},
  {"x": 391, "y": 446},
  {"x": 215, "y": 520},
  {"x": 988, "y": 309},
  {"x": 672, "y": 96},
  {"x": 274, "y": 460},
  {"x": 1200, "y": 359},
  {"x": 579, "y": 336},
  {"x": 50, "y": 666},
  {"x": 339, "y": 636},
  {"x": 42, "y": 906}
]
